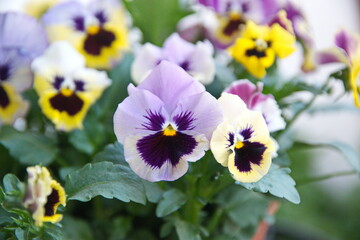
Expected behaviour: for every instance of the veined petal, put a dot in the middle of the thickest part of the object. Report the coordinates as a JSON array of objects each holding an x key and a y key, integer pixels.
[
  {"x": 243, "y": 142},
  {"x": 181, "y": 84},
  {"x": 139, "y": 114},
  {"x": 163, "y": 158},
  {"x": 205, "y": 112}
]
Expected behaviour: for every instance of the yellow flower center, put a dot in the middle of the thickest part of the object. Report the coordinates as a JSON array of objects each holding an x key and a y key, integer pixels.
[
  {"x": 261, "y": 44},
  {"x": 92, "y": 30},
  {"x": 239, "y": 145},
  {"x": 66, "y": 92},
  {"x": 169, "y": 131}
]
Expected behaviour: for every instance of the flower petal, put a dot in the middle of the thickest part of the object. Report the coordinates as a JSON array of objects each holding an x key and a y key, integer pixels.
[{"x": 172, "y": 83}]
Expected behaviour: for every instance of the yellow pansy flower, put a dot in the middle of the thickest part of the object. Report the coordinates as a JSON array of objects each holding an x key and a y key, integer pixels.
[{"x": 258, "y": 47}]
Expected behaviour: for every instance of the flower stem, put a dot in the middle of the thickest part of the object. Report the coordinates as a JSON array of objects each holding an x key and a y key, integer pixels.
[
  {"x": 324, "y": 177},
  {"x": 298, "y": 113},
  {"x": 215, "y": 220}
]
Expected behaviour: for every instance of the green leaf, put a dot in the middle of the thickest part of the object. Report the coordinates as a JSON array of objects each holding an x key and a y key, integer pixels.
[
  {"x": 106, "y": 179},
  {"x": 21, "y": 234},
  {"x": 2, "y": 194},
  {"x": 278, "y": 183},
  {"x": 112, "y": 153},
  {"x": 80, "y": 141},
  {"x": 343, "y": 76},
  {"x": 186, "y": 231},
  {"x": 171, "y": 201},
  {"x": 12, "y": 184},
  {"x": 350, "y": 154},
  {"x": 153, "y": 191},
  {"x": 159, "y": 22},
  {"x": 28, "y": 147},
  {"x": 243, "y": 207},
  {"x": 76, "y": 229}
]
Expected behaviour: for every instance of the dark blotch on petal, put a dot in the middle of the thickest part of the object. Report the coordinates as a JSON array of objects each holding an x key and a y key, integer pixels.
[
  {"x": 155, "y": 121},
  {"x": 185, "y": 65},
  {"x": 95, "y": 42},
  {"x": 4, "y": 72},
  {"x": 184, "y": 121},
  {"x": 255, "y": 52},
  {"x": 58, "y": 81},
  {"x": 79, "y": 23},
  {"x": 230, "y": 139},
  {"x": 79, "y": 85},
  {"x": 70, "y": 104},
  {"x": 251, "y": 152},
  {"x": 52, "y": 200},
  {"x": 157, "y": 149},
  {"x": 246, "y": 133},
  {"x": 232, "y": 26},
  {"x": 4, "y": 98},
  {"x": 101, "y": 17}
]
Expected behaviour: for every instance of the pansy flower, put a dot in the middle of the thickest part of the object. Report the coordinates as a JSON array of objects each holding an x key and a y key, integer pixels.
[
  {"x": 291, "y": 18},
  {"x": 242, "y": 141},
  {"x": 17, "y": 49},
  {"x": 347, "y": 51},
  {"x": 255, "y": 100},
  {"x": 221, "y": 21},
  {"x": 196, "y": 59},
  {"x": 65, "y": 87},
  {"x": 96, "y": 29},
  {"x": 43, "y": 196},
  {"x": 258, "y": 47},
  {"x": 165, "y": 122}
]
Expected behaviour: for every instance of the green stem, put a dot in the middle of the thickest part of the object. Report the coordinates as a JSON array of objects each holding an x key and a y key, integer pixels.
[
  {"x": 215, "y": 220},
  {"x": 297, "y": 114},
  {"x": 324, "y": 177}
]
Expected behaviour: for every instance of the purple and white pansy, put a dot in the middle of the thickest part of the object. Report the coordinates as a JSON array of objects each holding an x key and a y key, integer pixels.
[
  {"x": 195, "y": 59},
  {"x": 166, "y": 122}
]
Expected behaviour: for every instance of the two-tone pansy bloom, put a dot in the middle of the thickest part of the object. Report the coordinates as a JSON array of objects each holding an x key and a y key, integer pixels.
[
  {"x": 17, "y": 49},
  {"x": 166, "y": 122},
  {"x": 255, "y": 100},
  {"x": 242, "y": 141},
  {"x": 65, "y": 87},
  {"x": 96, "y": 29},
  {"x": 347, "y": 51},
  {"x": 43, "y": 196},
  {"x": 221, "y": 21},
  {"x": 258, "y": 47},
  {"x": 196, "y": 59}
]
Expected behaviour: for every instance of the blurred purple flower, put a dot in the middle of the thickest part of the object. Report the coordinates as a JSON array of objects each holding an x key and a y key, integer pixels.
[
  {"x": 255, "y": 100},
  {"x": 195, "y": 59},
  {"x": 166, "y": 122},
  {"x": 220, "y": 21},
  {"x": 17, "y": 49}
]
